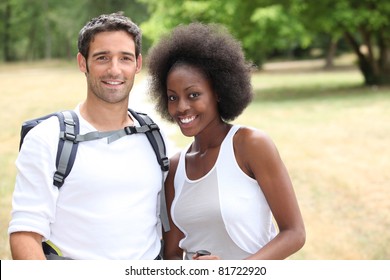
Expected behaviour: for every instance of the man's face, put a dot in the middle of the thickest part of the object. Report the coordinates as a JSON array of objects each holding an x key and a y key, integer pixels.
[{"x": 111, "y": 66}]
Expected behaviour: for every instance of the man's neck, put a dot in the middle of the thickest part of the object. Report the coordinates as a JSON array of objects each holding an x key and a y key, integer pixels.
[{"x": 106, "y": 117}]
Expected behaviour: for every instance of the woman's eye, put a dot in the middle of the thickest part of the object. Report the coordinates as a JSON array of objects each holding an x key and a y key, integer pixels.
[
  {"x": 194, "y": 94},
  {"x": 171, "y": 98}
]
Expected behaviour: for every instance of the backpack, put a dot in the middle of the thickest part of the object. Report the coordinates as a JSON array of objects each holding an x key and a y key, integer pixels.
[{"x": 69, "y": 138}]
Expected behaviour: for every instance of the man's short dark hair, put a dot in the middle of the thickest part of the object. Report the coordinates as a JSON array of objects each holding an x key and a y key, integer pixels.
[{"x": 108, "y": 22}]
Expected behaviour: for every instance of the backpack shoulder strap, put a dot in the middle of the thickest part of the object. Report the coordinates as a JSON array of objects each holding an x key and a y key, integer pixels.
[
  {"x": 157, "y": 142},
  {"x": 67, "y": 146},
  {"x": 28, "y": 125},
  {"x": 154, "y": 137}
]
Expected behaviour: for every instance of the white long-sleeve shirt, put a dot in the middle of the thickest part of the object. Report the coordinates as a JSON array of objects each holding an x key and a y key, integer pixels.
[{"x": 107, "y": 207}]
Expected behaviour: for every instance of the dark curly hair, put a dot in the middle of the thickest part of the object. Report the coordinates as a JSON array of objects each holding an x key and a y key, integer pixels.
[
  {"x": 110, "y": 22},
  {"x": 212, "y": 49}
]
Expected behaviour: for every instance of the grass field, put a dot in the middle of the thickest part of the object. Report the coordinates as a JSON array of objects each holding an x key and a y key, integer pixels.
[{"x": 332, "y": 133}]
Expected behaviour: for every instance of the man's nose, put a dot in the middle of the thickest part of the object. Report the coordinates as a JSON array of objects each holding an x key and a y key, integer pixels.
[{"x": 114, "y": 68}]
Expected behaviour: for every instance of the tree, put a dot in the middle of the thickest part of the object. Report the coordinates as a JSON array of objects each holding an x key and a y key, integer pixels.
[
  {"x": 365, "y": 24},
  {"x": 273, "y": 29},
  {"x": 36, "y": 32},
  {"x": 46, "y": 29},
  {"x": 5, "y": 12},
  {"x": 261, "y": 26}
]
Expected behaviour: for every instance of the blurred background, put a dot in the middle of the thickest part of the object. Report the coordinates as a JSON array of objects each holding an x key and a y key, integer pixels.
[{"x": 321, "y": 91}]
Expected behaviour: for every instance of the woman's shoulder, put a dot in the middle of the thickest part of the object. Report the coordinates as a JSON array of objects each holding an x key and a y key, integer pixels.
[
  {"x": 254, "y": 144},
  {"x": 254, "y": 149},
  {"x": 249, "y": 136}
]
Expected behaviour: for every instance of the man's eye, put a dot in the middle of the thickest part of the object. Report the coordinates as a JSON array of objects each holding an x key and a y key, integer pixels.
[
  {"x": 126, "y": 58},
  {"x": 102, "y": 58}
]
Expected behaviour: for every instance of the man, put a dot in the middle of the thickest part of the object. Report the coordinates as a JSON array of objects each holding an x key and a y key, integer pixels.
[{"x": 107, "y": 207}]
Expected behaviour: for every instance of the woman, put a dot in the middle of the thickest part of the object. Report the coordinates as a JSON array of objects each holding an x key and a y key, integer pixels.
[{"x": 228, "y": 186}]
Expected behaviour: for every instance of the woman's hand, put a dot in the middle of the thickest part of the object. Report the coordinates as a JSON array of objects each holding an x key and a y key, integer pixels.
[{"x": 204, "y": 255}]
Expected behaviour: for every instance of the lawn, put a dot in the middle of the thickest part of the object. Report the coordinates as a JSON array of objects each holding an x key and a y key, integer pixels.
[
  {"x": 334, "y": 138},
  {"x": 332, "y": 133}
]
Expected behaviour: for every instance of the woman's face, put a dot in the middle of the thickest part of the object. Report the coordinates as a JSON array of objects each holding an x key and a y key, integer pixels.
[{"x": 192, "y": 103}]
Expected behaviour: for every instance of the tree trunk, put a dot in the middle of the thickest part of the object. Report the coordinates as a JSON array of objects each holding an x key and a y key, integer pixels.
[
  {"x": 7, "y": 30},
  {"x": 332, "y": 48},
  {"x": 29, "y": 54},
  {"x": 384, "y": 57},
  {"x": 370, "y": 77},
  {"x": 48, "y": 43},
  {"x": 367, "y": 37}
]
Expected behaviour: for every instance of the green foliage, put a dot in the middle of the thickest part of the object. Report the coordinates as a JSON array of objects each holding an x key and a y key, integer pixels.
[
  {"x": 49, "y": 28},
  {"x": 261, "y": 27},
  {"x": 265, "y": 26},
  {"x": 276, "y": 30},
  {"x": 365, "y": 24},
  {"x": 340, "y": 15},
  {"x": 166, "y": 14}
]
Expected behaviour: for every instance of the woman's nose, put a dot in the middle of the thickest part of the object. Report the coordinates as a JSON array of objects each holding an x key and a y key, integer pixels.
[{"x": 182, "y": 106}]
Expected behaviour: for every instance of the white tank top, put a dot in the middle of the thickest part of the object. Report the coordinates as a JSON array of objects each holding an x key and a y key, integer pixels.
[{"x": 225, "y": 211}]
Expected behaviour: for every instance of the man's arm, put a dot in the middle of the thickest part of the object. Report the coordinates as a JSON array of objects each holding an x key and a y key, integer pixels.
[{"x": 26, "y": 246}]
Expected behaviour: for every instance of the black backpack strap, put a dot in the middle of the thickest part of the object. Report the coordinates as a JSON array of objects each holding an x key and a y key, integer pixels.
[
  {"x": 154, "y": 137},
  {"x": 67, "y": 145},
  {"x": 157, "y": 142},
  {"x": 28, "y": 125}
]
